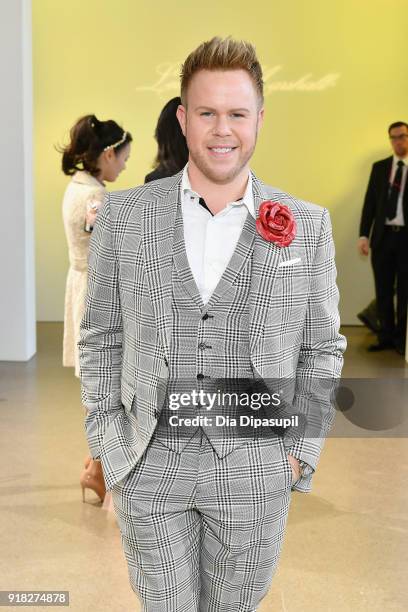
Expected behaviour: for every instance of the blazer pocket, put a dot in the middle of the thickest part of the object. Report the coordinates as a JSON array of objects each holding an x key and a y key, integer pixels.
[{"x": 127, "y": 395}]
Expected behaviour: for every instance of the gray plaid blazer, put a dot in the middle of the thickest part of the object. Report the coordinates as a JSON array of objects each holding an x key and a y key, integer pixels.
[{"x": 125, "y": 331}]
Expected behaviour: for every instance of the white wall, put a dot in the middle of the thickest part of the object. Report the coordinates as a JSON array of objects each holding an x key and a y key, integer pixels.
[{"x": 17, "y": 293}]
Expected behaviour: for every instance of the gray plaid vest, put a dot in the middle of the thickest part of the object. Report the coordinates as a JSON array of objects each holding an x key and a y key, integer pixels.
[{"x": 208, "y": 341}]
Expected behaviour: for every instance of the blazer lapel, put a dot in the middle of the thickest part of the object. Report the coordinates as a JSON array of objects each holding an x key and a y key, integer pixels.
[
  {"x": 181, "y": 262},
  {"x": 241, "y": 256},
  {"x": 266, "y": 257},
  {"x": 159, "y": 219}
]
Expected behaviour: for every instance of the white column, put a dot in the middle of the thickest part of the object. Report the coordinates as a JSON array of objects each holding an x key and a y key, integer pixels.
[{"x": 17, "y": 287}]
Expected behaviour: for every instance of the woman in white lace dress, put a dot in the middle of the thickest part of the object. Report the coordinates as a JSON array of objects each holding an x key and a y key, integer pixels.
[{"x": 97, "y": 153}]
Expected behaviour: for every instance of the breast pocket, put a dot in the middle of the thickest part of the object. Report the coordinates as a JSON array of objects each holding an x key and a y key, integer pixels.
[{"x": 288, "y": 302}]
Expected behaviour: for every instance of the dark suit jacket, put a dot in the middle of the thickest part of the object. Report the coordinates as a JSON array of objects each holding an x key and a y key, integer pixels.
[{"x": 375, "y": 202}]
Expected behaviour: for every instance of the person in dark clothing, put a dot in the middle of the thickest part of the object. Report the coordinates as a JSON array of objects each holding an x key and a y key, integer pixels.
[
  {"x": 384, "y": 228},
  {"x": 172, "y": 154}
]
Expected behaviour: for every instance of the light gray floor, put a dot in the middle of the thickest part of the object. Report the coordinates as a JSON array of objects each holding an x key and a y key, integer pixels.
[{"x": 346, "y": 545}]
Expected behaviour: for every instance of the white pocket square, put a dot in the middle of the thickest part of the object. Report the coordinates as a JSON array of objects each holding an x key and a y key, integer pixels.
[{"x": 289, "y": 262}]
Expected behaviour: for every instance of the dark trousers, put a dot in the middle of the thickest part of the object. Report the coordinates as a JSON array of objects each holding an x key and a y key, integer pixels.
[{"x": 390, "y": 265}]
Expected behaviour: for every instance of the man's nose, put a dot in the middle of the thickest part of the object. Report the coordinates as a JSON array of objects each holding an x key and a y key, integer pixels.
[{"x": 222, "y": 127}]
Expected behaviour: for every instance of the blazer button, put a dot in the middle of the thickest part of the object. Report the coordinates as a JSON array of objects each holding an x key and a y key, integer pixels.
[
  {"x": 200, "y": 376},
  {"x": 156, "y": 414}
]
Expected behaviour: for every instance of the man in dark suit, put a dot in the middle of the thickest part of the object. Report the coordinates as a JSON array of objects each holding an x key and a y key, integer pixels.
[{"x": 385, "y": 217}]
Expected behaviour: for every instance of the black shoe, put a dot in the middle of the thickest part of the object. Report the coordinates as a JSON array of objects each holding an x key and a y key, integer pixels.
[
  {"x": 369, "y": 317},
  {"x": 365, "y": 321},
  {"x": 400, "y": 349},
  {"x": 379, "y": 346}
]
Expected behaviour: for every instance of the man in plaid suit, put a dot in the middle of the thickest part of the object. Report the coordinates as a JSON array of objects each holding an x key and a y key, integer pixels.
[{"x": 195, "y": 279}]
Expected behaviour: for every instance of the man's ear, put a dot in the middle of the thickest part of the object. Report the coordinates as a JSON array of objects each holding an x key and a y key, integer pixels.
[
  {"x": 260, "y": 118},
  {"x": 181, "y": 116}
]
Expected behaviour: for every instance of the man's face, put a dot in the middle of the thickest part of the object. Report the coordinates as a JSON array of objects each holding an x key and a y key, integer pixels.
[
  {"x": 399, "y": 140},
  {"x": 221, "y": 122}
]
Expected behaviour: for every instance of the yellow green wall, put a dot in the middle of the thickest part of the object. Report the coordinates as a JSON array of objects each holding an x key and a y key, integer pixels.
[{"x": 98, "y": 55}]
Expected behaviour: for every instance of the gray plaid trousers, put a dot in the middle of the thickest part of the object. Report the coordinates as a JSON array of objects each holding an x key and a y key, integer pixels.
[{"x": 200, "y": 533}]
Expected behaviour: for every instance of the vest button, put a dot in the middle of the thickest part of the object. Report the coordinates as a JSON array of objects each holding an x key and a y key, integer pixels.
[
  {"x": 207, "y": 316},
  {"x": 200, "y": 375}
]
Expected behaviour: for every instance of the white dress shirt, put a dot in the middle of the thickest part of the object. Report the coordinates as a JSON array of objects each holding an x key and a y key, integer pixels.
[
  {"x": 211, "y": 239},
  {"x": 399, "y": 217}
]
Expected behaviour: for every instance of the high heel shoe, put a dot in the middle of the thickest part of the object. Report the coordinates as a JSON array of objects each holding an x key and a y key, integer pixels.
[{"x": 92, "y": 478}]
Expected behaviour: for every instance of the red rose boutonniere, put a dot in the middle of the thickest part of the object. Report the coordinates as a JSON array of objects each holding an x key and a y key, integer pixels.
[{"x": 276, "y": 223}]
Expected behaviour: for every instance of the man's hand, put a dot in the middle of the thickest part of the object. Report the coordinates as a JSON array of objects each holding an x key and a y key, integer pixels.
[
  {"x": 295, "y": 467},
  {"x": 363, "y": 246}
]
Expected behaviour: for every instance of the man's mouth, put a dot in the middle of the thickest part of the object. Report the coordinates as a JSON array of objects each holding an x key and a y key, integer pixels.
[{"x": 219, "y": 151}]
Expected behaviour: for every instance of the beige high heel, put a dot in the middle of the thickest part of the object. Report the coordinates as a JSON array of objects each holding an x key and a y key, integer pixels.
[{"x": 92, "y": 478}]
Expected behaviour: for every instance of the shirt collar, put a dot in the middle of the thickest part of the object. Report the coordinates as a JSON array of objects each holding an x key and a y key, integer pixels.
[
  {"x": 248, "y": 198},
  {"x": 396, "y": 159}
]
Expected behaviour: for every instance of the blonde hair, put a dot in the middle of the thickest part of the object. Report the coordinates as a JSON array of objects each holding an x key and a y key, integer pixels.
[{"x": 222, "y": 54}]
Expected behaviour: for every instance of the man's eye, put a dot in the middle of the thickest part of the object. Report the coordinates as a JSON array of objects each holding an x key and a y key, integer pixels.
[
  {"x": 237, "y": 115},
  {"x": 205, "y": 113}
]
